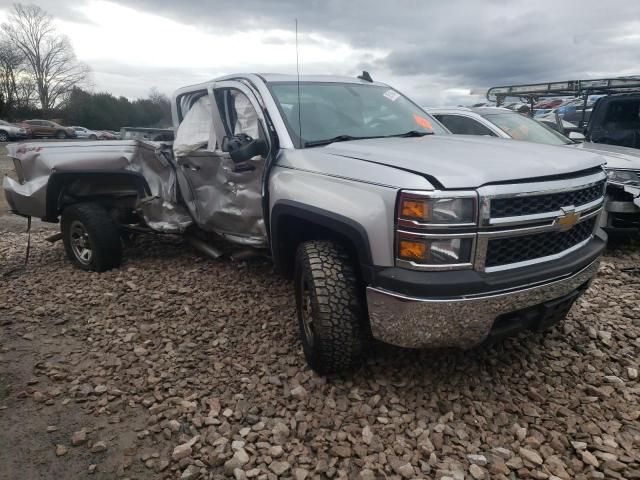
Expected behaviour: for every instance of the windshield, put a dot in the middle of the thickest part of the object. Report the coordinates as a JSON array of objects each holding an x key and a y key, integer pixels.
[
  {"x": 348, "y": 111},
  {"x": 524, "y": 128}
]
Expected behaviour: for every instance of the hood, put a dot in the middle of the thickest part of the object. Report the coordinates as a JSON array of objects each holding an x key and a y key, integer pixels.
[
  {"x": 467, "y": 161},
  {"x": 616, "y": 156}
]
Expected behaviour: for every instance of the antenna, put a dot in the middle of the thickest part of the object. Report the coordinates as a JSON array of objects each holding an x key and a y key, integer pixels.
[{"x": 299, "y": 103}]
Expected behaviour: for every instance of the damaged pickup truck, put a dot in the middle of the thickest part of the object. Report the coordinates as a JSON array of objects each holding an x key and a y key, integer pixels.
[{"x": 387, "y": 229}]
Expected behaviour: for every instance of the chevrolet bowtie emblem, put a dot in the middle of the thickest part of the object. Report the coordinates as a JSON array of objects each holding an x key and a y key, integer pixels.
[{"x": 568, "y": 219}]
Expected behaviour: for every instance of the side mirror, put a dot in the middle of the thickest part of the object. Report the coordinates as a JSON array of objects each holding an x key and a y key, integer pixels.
[
  {"x": 577, "y": 137},
  {"x": 242, "y": 147}
]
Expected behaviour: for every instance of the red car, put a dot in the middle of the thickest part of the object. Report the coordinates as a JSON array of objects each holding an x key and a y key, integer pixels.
[
  {"x": 548, "y": 104},
  {"x": 104, "y": 135}
]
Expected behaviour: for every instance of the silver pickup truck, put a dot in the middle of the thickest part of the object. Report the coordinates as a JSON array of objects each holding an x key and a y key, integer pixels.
[{"x": 387, "y": 228}]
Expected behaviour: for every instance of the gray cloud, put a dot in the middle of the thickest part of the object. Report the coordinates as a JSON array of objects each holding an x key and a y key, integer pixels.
[
  {"x": 456, "y": 44},
  {"x": 460, "y": 43}
]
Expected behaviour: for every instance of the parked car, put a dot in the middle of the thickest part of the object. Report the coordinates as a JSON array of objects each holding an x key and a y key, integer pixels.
[
  {"x": 623, "y": 164},
  {"x": 153, "y": 134},
  {"x": 82, "y": 132},
  {"x": 106, "y": 135},
  {"x": 615, "y": 120},
  {"x": 47, "y": 128},
  {"x": 388, "y": 230},
  {"x": 116, "y": 135},
  {"x": 9, "y": 131}
]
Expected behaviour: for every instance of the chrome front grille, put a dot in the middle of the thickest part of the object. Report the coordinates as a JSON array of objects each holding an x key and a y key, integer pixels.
[
  {"x": 505, "y": 251},
  {"x": 524, "y": 224},
  {"x": 535, "y": 204}
]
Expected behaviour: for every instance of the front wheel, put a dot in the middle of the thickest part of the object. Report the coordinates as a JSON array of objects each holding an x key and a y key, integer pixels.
[
  {"x": 61, "y": 134},
  {"x": 4, "y": 136},
  {"x": 92, "y": 137},
  {"x": 91, "y": 237},
  {"x": 329, "y": 307}
]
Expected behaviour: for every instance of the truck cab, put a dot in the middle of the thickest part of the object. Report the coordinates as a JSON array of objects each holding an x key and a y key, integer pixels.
[{"x": 388, "y": 226}]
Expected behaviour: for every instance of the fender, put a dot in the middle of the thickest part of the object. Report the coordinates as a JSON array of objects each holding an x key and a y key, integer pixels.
[
  {"x": 343, "y": 226},
  {"x": 59, "y": 180}
]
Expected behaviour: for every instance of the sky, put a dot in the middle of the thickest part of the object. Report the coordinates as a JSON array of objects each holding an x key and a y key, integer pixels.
[{"x": 439, "y": 53}]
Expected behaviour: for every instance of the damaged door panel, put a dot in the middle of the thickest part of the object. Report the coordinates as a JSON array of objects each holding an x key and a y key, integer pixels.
[{"x": 224, "y": 196}]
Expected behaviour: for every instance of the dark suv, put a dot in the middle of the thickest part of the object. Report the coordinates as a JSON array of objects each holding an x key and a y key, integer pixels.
[
  {"x": 47, "y": 128},
  {"x": 616, "y": 120}
]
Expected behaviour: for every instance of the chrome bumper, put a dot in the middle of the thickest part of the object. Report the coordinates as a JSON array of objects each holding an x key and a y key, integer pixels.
[{"x": 461, "y": 322}]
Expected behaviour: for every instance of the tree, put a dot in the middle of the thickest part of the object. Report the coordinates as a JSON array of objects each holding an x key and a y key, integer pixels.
[
  {"x": 11, "y": 69},
  {"x": 48, "y": 55}
]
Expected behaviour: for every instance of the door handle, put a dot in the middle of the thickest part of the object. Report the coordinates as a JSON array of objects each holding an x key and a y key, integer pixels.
[{"x": 193, "y": 168}]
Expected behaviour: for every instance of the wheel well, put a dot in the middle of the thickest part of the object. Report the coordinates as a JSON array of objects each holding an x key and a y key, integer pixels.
[
  {"x": 111, "y": 189},
  {"x": 293, "y": 225}
]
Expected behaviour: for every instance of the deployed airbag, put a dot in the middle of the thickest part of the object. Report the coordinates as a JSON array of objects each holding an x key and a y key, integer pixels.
[{"x": 196, "y": 130}]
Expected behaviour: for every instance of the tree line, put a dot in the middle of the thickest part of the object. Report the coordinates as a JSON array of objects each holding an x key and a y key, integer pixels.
[{"x": 40, "y": 77}]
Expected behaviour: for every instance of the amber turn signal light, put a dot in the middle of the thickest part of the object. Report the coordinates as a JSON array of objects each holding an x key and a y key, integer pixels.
[
  {"x": 409, "y": 250},
  {"x": 418, "y": 209}
]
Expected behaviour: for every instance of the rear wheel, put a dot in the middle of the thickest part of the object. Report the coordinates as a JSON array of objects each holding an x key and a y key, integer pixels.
[
  {"x": 4, "y": 136},
  {"x": 329, "y": 307},
  {"x": 91, "y": 237}
]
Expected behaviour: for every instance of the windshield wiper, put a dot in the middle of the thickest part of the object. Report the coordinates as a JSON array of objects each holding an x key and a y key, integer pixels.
[
  {"x": 346, "y": 138},
  {"x": 411, "y": 133},
  {"x": 339, "y": 138}
]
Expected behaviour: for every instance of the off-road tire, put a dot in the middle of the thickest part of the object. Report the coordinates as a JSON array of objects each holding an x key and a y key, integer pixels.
[
  {"x": 325, "y": 275},
  {"x": 60, "y": 134},
  {"x": 103, "y": 236}
]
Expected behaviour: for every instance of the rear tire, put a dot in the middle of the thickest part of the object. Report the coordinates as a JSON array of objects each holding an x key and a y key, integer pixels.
[
  {"x": 329, "y": 307},
  {"x": 91, "y": 237}
]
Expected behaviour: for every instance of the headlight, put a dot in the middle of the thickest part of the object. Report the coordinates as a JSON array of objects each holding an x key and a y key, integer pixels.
[
  {"x": 624, "y": 177},
  {"x": 436, "y": 230},
  {"x": 435, "y": 252},
  {"x": 437, "y": 208}
]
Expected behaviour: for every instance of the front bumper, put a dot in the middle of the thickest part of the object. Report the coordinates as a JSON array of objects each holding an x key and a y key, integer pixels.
[
  {"x": 622, "y": 210},
  {"x": 462, "y": 321}
]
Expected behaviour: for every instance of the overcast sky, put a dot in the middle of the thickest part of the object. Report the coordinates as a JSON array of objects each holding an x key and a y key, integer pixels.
[{"x": 437, "y": 52}]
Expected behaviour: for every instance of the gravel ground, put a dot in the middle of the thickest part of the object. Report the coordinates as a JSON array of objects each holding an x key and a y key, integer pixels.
[{"x": 176, "y": 366}]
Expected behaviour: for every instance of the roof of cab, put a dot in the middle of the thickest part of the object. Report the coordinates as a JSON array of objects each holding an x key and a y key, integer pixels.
[
  {"x": 277, "y": 77},
  {"x": 280, "y": 77}
]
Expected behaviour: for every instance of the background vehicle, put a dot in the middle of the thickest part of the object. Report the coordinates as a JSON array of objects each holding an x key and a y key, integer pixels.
[
  {"x": 82, "y": 132},
  {"x": 151, "y": 134},
  {"x": 616, "y": 120},
  {"x": 613, "y": 119},
  {"x": 47, "y": 128},
  {"x": 106, "y": 135},
  {"x": 116, "y": 135},
  {"x": 388, "y": 230},
  {"x": 9, "y": 131},
  {"x": 623, "y": 164}
]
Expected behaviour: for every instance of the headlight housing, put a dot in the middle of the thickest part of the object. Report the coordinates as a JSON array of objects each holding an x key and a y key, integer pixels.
[
  {"x": 623, "y": 177},
  {"x": 436, "y": 230},
  {"x": 432, "y": 209},
  {"x": 435, "y": 251}
]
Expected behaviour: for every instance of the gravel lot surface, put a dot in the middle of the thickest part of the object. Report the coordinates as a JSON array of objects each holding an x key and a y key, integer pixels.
[{"x": 176, "y": 366}]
